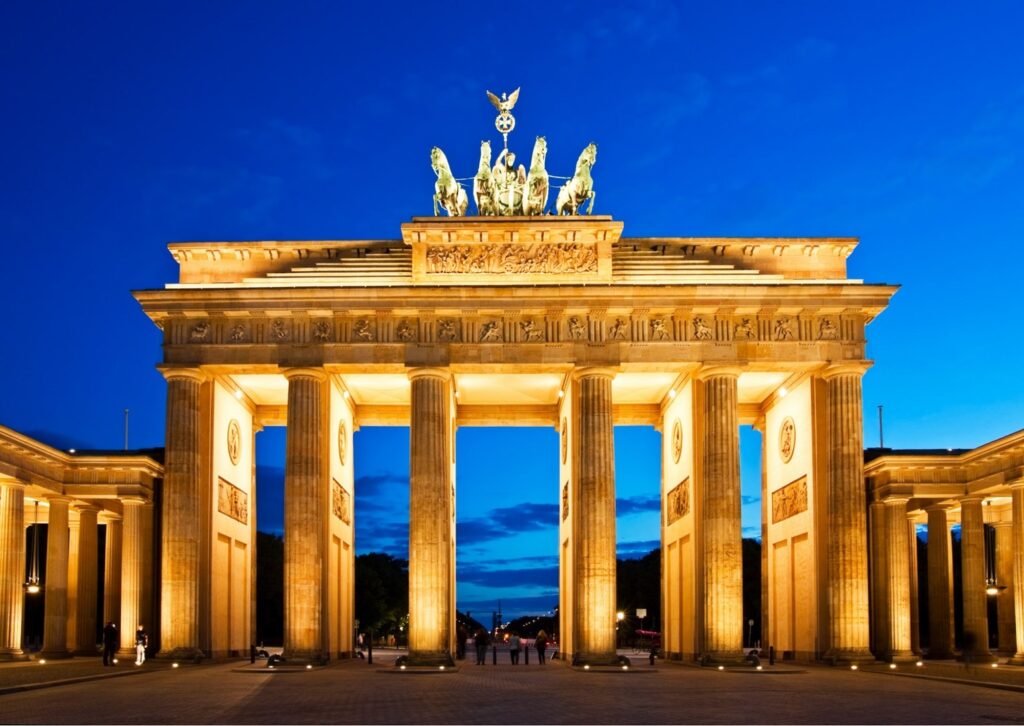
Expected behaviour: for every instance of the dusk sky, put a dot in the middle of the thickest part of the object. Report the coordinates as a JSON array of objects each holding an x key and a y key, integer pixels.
[{"x": 125, "y": 127}]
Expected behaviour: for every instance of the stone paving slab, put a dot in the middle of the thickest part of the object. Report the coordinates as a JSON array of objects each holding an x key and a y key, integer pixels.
[
  {"x": 354, "y": 692},
  {"x": 35, "y": 674}
]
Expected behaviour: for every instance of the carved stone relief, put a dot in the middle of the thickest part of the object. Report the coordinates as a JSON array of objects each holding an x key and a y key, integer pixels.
[
  {"x": 507, "y": 259},
  {"x": 234, "y": 441},
  {"x": 322, "y": 331},
  {"x": 565, "y": 501},
  {"x": 783, "y": 329},
  {"x": 279, "y": 330},
  {"x": 789, "y": 500},
  {"x": 490, "y": 332},
  {"x": 340, "y": 502},
  {"x": 701, "y": 331},
  {"x": 237, "y": 334},
  {"x": 200, "y": 332},
  {"x": 677, "y": 505},
  {"x": 618, "y": 330},
  {"x": 744, "y": 330},
  {"x": 232, "y": 501},
  {"x": 565, "y": 440},
  {"x": 577, "y": 329},
  {"x": 827, "y": 330},
  {"x": 787, "y": 439},
  {"x": 405, "y": 332},
  {"x": 342, "y": 442},
  {"x": 677, "y": 441},
  {"x": 658, "y": 330},
  {"x": 446, "y": 330},
  {"x": 361, "y": 331},
  {"x": 530, "y": 332}
]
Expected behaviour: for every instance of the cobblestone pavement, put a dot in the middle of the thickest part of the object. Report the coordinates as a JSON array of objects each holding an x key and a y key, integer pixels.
[{"x": 355, "y": 692}]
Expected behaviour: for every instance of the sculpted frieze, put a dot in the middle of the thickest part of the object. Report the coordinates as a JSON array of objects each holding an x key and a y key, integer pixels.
[
  {"x": 790, "y": 500},
  {"x": 490, "y": 332},
  {"x": 577, "y": 329},
  {"x": 447, "y": 330},
  {"x": 322, "y": 331},
  {"x": 618, "y": 330},
  {"x": 340, "y": 504},
  {"x": 827, "y": 330},
  {"x": 659, "y": 331},
  {"x": 405, "y": 332},
  {"x": 238, "y": 333},
  {"x": 744, "y": 330},
  {"x": 701, "y": 330},
  {"x": 529, "y": 332},
  {"x": 279, "y": 331},
  {"x": 677, "y": 505},
  {"x": 232, "y": 501},
  {"x": 200, "y": 332},
  {"x": 510, "y": 259},
  {"x": 783, "y": 329},
  {"x": 362, "y": 332}
]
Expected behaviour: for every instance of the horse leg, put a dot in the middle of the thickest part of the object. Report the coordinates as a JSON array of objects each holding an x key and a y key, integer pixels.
[
  {"x": 590, "y": 209},
  {"x": 436, "y": 212}
]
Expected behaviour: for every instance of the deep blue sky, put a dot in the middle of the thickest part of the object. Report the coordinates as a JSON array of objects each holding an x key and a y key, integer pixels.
[{"x": 125, "y": 127}]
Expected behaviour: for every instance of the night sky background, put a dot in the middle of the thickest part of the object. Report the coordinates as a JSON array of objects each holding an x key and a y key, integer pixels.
[{"x": 124, "y": 127}]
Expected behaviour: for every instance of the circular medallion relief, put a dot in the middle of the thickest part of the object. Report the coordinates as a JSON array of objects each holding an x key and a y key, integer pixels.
[
  {"x": 787, "y": 439},
  {"x": 342, "y": 442},
  {"x": 234, "y": 441},
  {"x": 677, "y": 441},
  {"x": 565, "y": 440}
]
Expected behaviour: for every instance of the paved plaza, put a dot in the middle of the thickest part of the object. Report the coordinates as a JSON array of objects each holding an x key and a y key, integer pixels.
[{"x": 355, "y": 692}]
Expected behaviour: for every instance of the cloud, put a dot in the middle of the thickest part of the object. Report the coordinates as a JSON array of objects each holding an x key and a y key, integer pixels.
[
  {"x": 754, "y": 531},
  {"x": 507, "y": 521},
  {"x": 508, "y": 577},
  {"x": 747, "y": 499},
  {"x": 637, "y": 505},
  {"x": 636, "y": 548},
  {"x": 511, "y": 606}
]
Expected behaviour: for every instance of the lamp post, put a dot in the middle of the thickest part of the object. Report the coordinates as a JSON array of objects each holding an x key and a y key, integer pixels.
[{"x": 750, "y": 633}]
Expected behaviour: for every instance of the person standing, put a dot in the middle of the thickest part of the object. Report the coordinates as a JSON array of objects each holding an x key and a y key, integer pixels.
[
  {"x": 141, "y": 641},
  {"x": 542, "y": 644},
  {"x": 481, "y": 646},
  {"x": 109, "y": 643},
  {"x": 514, "y": 644}
]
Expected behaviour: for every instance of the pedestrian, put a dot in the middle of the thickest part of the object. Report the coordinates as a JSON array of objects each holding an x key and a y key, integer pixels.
[
  {"x": 481, "y": 646},
  {"x": 109, "y": 643},
  {"x": 514, "y": 644},
  {"x": 542, "y": 644},
  {"x": 141, "y": 641},
  {"x": 460, "y": 643}
]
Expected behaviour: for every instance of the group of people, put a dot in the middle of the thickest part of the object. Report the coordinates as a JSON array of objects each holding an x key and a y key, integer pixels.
[
  {"x": 111, "y": 642},
  {"x": 515, "y": 645}
]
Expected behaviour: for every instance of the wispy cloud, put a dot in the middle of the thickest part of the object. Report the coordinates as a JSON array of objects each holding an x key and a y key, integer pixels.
[
  {"x": 624, "y": 506},
  {"x": 506, "y": 521},
  {"x": 636, "y": 548}
]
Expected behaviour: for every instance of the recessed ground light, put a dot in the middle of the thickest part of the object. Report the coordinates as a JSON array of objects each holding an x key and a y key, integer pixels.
[
  {"x": 853, "y": 667},
  {"x": 892, "y": 666}
]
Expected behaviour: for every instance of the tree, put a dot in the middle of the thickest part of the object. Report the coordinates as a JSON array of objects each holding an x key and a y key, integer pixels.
[{"x": 382, "y": 593}]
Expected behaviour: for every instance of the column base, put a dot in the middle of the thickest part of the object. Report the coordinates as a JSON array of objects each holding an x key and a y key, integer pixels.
[
  {"x": 429, "y": 658},
  {"x": 12, "y": 655},
  {"x": 903, "y": 657},
  {"x": 849, "y": 657},
  {"x": 55, "y": 654},
  {"x": 1017, "y": 660},
  {"x": 978, "y": 656},
  {"x": 189, "y": 654}
]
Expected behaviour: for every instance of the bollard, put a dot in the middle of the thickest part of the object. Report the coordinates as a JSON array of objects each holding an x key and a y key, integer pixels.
[
  {"x": 771, "y": 655},
  {"x": 494, "y": 654},
  {"x": 526, "y": 653},
  {"x": 252, "y": 653},
  {"x": 369, "y": 647}
]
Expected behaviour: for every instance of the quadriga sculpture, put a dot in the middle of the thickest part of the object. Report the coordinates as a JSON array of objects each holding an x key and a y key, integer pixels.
[
  {"x": 483, "y": 184},
  {"x": 580, "y": 188},
  {"x": 535, "y": 199},
  {"x": 448, "y": 193}
]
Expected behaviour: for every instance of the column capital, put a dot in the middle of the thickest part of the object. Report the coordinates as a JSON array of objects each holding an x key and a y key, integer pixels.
[
  {"x": 133, "y": 499},
  {"x": 109, "y": 517},
  {"x": 194, "y": 374},
  {"x": 86, "y": 508},
  {"x": 705, "y": 372},
  {"x": 848, "y": 368},
  {"x": 59, "y": 498},
  {"x": 594, "y": 372},
  {"x": 945, "y": 508},
  {"x": 443, "y": 373},
  {"x": 319, "y": 373},
  {"x": 895, "y": 499},
  {"x": 971, "y": 498},
  {"x": 1017, "y": 484},
  {"x": 1000, "y": 523},
  {"x": 12, "y": 483}
]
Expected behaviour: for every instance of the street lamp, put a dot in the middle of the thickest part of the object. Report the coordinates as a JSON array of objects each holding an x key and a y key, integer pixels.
[{"x": 32, "y": 587}]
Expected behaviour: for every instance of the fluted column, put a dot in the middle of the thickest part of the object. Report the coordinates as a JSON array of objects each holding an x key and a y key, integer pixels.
[
  {"x": 305, "y": 497},
  {"x": 131, "y": 573},
  {"x": 915, "y": 612},
  {"x": 112, "y": 571},
  {"x": 898, "y": 576},
  {"x": 55, "y": 608},
  {"x": 179, "y": 562},
  {"x": 847, "y": 516},
  {"x": 431, "y": 596},
  {"x": 12, "y": 568},
  {"x": 594, "y": 460},
  {"x": 721, "y": 526},
  {"x": 1004, "y": 579},
  {"x": 940, "y": 590},
  {"x": 1017, "y": 514},
  {"x": 74, "y": 523},
  {"x": 88, "y": 581},
  {"x": 149, "y": 618},
  {"x": 880, "y": 629},
  {"x": 972, "y": 556}
]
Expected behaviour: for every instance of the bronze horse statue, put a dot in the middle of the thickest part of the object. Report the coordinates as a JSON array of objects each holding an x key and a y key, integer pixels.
[
  {"x": 448, "y": 193},
  {"x": 535, "y": 198},
  {"x": 575, "y": 192},
  {"x": 483, "y": 184}
]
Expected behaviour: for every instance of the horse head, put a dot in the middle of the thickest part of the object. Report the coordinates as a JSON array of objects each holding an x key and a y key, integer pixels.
[
  {"x": 485, "y": 157},
  {"x": 540, "y": 152},
  {"x": 588, "y": 157},
  {"x": 438, "y": 161}
]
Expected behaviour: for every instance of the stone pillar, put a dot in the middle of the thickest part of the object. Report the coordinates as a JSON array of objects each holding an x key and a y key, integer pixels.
[
  {"x": 72, "y": 622},
  {"x": 112, "y": 571},
  {"x": 720, "y": 525},
  {"x": 594, "y": 461},
  {"x": 149, "y": 617},
  {"x": 179, "y": 561},
  {"x": 898, "y": 576},
  {"x": 847, "y": 584},
  {"x": 1004, "y": 579},
  {"x": 915, "y": 619},
  {"x": 431, "y": 558},
  {"x": 940, "y": 588},
  {"x": 12, "y": 568},
  {"x": 55, "y": 613},
  {"x": 131, "y": 574},
  {"x": 88, "y": 582},
  {"x": 305, "y": 498},
  {"x": 1017, "y": 514},
  {"x": 880, "y": 628},
  {"x": 972, "y": 557}
]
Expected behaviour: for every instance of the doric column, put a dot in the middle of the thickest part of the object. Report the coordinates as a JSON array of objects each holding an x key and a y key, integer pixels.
[
  {"x": 55, "y": 608},
  {"x": 898, "y": 576},
  {"x": 179, "y": 563},
  {"x": 880, "y": 635},
  {"x": 305, "y": 494},
  {"x": 1017, "y": 514},
  {"x": 430, "y": 513},
  {"x": 150, "y": 618},
  {"x": 1004, "y": 579},
  {"x": 940, "y": 590},
  {"x": 915, "y": 612},
  {"x": 722, "y": 531},
  {"x": 594, "y": 460},
  {"x": 112, "y": 571},
  {"x": 87, "y": 582},
  {"x": 12, "y": 568},
  {"x": 131, "y": 573},
  {"x": 847, "y": 515},
  {"x": 972, "y": 557}
]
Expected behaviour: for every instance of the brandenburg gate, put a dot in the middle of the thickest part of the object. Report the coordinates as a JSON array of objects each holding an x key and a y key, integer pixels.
[{"x": 520, "y": 320}]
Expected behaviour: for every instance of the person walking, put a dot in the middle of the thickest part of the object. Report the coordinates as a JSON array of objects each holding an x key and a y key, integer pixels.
[
  {"x": 481, "y": 646},
  {"x": 141, "y": 641},
  {"x": 109, "y": 643},
  {"x": 542, "y": 644},
  {"x": 514, "y": 645}
]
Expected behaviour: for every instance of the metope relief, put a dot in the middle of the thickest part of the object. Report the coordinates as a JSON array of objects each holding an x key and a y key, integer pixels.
[
  {"x": 508, "y": 259},
  {"x": 405, "y": 332},
  {"x": 677, "y": 503},
  {"x": 529, "y": 332},
  {"x": 342, "y": 442},
  {"x": 787, "y": 439},
  {"x": 447, "y": 330},
  {"x": 789, "y": 500},
  {"x": 658, "y": 330},
  {"x": 490, "y": 332},
  {"x": 322, "y": 331},
  {"x": 234, "y": 441},
  {"x": 362, "y": 332},
  {"x": 618, "y": 330},
  {"x": 744, "y": 330},
  {"x": 200, "y": 332},
  {"x": 783, "y": 329},
  {"x": 237, "y": 333},
  {"x": 577, "y": 329},
  {"x": 279, "y": 331},
  {"x": 827, "y": 330},
  {"x": 701, "y": 330},
  {"x": 232, "y": 501},
  {"x": 340, "y": 502}
]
